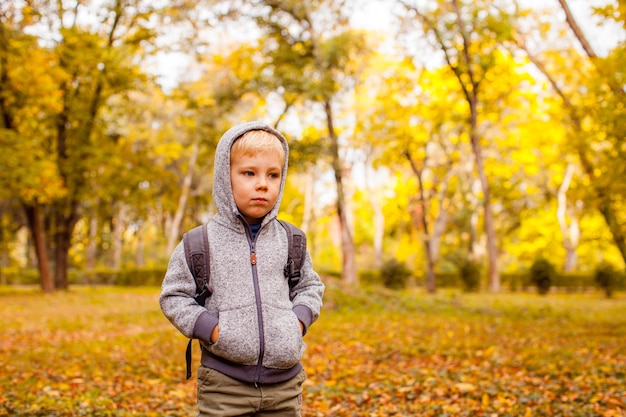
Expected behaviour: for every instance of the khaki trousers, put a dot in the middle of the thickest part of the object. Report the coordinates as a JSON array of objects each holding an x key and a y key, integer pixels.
[{"x": 222, "y": 396}]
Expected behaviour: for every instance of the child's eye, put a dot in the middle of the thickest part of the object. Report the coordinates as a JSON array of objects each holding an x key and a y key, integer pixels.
[
  {"x": 275, "y": 175},
  {"x": 248, "y": 173}
]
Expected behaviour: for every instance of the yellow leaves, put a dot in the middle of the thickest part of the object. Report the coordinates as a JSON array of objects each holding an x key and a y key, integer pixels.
[
  {"x": 431, "y": 363},
  {"x": 465, "y": 387},
  {"x": 169, "y": 151},
  {"x": 27, "y": 171},
  {"x": 330, "y": 383},
  {"x": 110, "y": 351},
  {"x": 179, "y": 393}
]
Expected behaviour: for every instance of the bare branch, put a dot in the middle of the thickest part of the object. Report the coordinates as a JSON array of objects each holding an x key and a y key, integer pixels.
[{"x": 577, "y": 31}]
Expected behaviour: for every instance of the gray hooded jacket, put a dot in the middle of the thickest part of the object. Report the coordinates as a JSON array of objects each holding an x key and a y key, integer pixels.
[{"x": 259, "y": 335}]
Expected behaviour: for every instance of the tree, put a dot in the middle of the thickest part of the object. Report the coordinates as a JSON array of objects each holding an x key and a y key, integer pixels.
[
  {"x": 28, "y": 97},
  {"x": 609, "y": 76},
  {"x": 313, "y": 56},
  {"x": 470, "y": 34},
  {"x": 95, "y": 69},
  {"x": 87, "y": 66},
  {"x": 596, "y": 118},
  {"x": 415, "y": 126}
]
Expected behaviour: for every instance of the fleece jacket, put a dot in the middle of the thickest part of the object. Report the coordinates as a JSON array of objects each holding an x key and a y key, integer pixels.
[{"x": 260, "y": 340}]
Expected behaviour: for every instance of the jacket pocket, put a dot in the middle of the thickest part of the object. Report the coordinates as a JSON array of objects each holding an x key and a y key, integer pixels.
[
  {"x": 283, "y": 339},
  {"x": 239, "y": 336}
]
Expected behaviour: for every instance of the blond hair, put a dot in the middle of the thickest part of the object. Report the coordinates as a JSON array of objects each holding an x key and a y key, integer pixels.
[{"x": 254, "y": 141}]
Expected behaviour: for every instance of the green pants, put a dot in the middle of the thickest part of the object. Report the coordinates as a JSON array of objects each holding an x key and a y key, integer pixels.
[{"x": 222, "y": 396}]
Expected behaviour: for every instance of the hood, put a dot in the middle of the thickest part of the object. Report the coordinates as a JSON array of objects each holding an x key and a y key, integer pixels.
[{"x": 227, "y": 212}]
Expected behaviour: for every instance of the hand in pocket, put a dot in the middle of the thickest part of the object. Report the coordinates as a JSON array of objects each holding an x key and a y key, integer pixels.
[{"x": 215, "y": 334}]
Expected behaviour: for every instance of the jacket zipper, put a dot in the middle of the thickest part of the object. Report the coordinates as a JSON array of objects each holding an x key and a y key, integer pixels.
[{"x": 257, "y": 294}]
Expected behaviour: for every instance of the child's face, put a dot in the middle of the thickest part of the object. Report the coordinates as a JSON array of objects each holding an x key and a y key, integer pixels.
[{"x": 256, "y": 183}]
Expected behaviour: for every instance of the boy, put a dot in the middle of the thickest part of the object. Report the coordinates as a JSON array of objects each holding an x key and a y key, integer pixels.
[{"x": 249, "y": 329}]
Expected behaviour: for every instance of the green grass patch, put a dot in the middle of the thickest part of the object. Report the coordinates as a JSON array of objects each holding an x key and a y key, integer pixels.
[{"x": 106, "y": 351}]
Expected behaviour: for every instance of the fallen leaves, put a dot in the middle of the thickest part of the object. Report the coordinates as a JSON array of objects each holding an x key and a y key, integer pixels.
[
  {"x": 110, "y": 352},
  {"x": 470, "y": 357},
  {"x": 92, "y": 352}
]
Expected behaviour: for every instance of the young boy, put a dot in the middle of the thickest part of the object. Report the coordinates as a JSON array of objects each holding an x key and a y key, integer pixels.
[{"x": 251, "y": 327}]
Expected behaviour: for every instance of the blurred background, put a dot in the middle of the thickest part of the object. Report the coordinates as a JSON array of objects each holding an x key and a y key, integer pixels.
[{"x": 435, "y": 143}]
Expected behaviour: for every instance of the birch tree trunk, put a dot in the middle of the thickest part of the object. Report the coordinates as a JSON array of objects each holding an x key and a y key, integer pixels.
[
  {"x": 570, "y": 232},
  {"x": 174, "y": 232}
]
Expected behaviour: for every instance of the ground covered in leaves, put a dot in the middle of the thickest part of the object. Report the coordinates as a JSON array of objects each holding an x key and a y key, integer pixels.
[{"x": 110, "y": 352}]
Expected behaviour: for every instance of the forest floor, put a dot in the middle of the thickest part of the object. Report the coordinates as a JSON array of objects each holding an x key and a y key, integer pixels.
[{"x": 109, "y": 351}]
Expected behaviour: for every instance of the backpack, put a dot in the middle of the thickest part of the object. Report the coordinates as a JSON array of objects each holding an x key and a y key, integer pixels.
[{"x": 196, "y": 244}]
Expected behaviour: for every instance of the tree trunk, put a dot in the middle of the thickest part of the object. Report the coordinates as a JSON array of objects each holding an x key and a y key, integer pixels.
[
  {"x": 62, "y": 240},
  {"x": 64, "y": 230},
  {"x": 174, "y": 233},
  {"x": 119, "y": 224},
  {"x": 4, "y": 261},
  {"x": 571, "y": 232},
  {"x": 613, "y": 83},
  {"x": 422, "y": 222},
  {"x": 93, "y": 244},
  {"x": 349, "y": 272},
  {"x": 471, "y": 94},
  {"x": 432, "y": 238},
  {"x": 441, "y": 220},
  {"x": 576, "y": 29},
  {"x": 610, "y": 217},
  {"x": 61, "y": 258},
  {"x": 463, "y": 68},
  {"x": 492, "y": 251},
  {"x": 35, "y": 224},
  {"x": 139, "y": 250},
  {"x": 571, "y": 257},
  {"x": 472, "y": 244}
]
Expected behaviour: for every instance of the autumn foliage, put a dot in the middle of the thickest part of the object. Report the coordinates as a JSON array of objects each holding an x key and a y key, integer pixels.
[{"x": 102, "y": 351}]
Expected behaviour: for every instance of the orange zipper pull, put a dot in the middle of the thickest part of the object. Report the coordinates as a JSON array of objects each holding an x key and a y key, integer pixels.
[{"x": 253, "y": 258}]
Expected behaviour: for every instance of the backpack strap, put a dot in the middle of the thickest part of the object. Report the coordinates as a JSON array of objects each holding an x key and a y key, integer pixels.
[
  {"x": 196, "y": 243},
  {"x": 296, "y": 255}
]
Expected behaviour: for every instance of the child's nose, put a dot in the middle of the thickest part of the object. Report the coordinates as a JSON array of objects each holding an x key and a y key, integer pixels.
[{"x": 261, "y": 183}]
